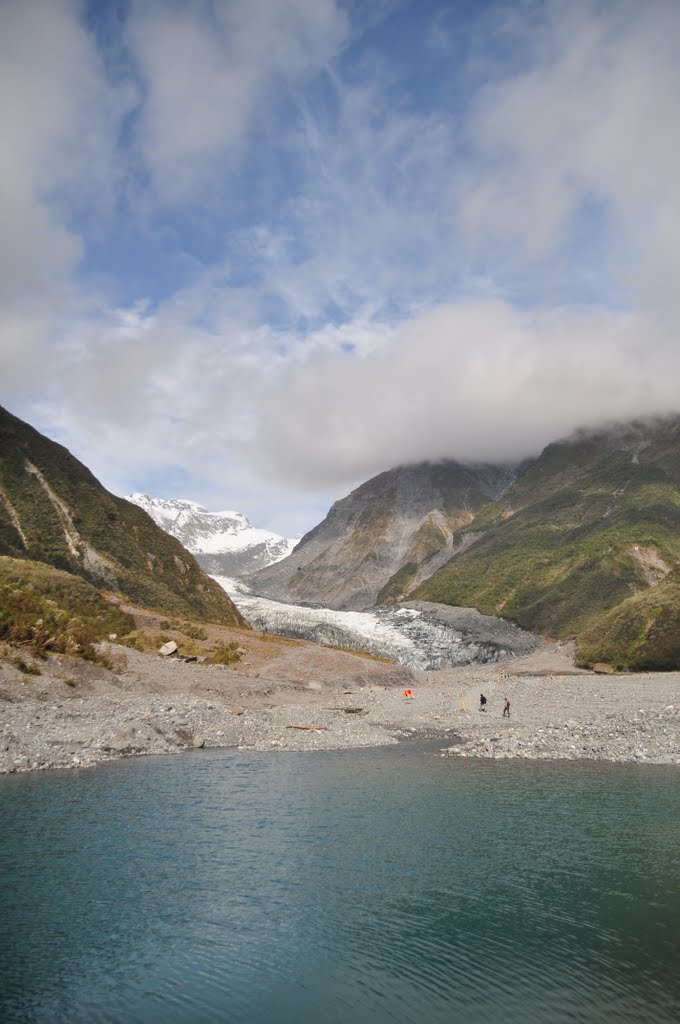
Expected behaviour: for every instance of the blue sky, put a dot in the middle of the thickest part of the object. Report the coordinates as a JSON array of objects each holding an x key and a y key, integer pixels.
[{"x": 256, "y": 251}]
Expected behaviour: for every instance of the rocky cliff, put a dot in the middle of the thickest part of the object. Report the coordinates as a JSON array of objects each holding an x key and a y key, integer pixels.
[{"x": 383, "y": 538}]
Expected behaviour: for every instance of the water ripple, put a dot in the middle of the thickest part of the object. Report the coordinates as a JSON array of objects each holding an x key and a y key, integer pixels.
[{"x": 374, "y": 886}]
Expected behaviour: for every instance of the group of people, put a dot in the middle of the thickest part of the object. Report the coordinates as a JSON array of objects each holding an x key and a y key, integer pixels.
[{"x": 483, "y": 702}]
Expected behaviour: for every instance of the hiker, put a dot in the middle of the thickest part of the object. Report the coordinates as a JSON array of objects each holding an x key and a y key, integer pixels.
[
  {"x": 482, "y": 702},
  {"x": 506, "y": 708}
]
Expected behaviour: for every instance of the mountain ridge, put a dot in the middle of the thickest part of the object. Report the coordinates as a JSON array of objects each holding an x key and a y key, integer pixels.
[
  {"x": 577, "y": 546},
  {"x": 592, "y": 526},
  {"x": 53, "y": 510},
  {"x": 407, "y": 514},
  {"x": 223, "y": 543}
]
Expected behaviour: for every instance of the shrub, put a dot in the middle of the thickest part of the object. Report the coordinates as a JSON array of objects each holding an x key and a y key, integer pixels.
[
  {"x": 26, "y": 667},
  {"x": 194, "y": 632},
  {"x": 47, "y": 610},
  {"x": 224, "y": 654}
]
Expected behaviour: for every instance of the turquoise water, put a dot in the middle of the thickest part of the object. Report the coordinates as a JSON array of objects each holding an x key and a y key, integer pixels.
[{"x": 365, "y": 886}]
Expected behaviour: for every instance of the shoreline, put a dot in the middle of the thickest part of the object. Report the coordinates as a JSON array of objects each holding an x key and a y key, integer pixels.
[{"x": 156, "y": 708}]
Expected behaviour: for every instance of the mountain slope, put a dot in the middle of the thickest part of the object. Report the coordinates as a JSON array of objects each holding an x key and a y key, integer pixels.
[
  {"x": 640, "y": 634},
  {"x": 223, "y": 543},
  {"x": 590, "y": 527},
  {"x": 384, "y": 536},
  {"x": 53, "y": 510}
]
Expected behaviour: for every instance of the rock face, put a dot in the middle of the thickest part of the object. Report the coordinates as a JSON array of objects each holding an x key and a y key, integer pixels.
[
  {"x": 382, "y": 539},
  {"x": 223, "y": 543}
]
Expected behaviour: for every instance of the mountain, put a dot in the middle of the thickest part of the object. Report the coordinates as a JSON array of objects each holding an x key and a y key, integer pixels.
[
  {"x": 581, "y": 542},
  {"x": 223, "y": 543},
  {"x": 53, "y": 510},
  {"x": 386, "y": 536},
  {"x": 586, "y": 544}
]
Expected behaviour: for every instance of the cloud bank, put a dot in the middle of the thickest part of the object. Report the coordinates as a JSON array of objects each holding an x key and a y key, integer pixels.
[{"x": 260, "y": 251}]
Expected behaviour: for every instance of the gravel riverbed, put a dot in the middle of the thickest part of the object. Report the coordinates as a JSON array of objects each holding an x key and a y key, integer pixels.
[{"x": 155, "y": 708}]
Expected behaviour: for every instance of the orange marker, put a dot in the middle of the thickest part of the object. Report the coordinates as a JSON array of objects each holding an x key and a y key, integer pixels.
[{"x": 408, "y": 694}]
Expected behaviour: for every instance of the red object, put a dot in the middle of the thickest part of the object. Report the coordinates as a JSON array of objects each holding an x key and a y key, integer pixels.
[{"x": 408, "y": 693}]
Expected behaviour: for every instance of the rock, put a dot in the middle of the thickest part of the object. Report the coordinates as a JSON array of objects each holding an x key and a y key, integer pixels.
[
  {"x": 234, "y": 710},
  {"x": 168, "y": 649},
  {"x": 603, "y": 669},
  {"x": 198, "y": 742}
]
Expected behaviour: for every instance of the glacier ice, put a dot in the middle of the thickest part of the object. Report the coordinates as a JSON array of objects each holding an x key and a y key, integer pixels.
[{"x": 426, "y": 638}]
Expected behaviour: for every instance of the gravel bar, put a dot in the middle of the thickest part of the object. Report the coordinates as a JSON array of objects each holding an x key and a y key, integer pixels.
[{"x": 54, "y": 724}]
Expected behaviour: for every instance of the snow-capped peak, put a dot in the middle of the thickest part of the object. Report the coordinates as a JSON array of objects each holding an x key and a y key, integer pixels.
[{"x": 224, "y": 543}]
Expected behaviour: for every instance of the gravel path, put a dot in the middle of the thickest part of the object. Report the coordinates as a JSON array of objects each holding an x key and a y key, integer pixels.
[{"x": 84, "y": 715}]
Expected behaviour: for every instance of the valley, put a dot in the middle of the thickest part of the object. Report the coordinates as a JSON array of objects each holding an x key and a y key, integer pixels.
[{"x": 422, "y": 588}]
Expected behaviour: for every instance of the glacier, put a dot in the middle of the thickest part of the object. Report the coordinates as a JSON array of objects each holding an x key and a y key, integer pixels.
[{"x": 416, "y": 635}]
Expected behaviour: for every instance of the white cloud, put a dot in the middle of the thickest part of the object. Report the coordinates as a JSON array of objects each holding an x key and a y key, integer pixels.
[
  {"x": 206, "y": 66},
  {"x": 593, "y": 118},
  {"x": 381, "y": 313},
  {"x": 56, "y": 111},
  {"x": 591, "y": 121},
  {"x": 476, "y": 381}
]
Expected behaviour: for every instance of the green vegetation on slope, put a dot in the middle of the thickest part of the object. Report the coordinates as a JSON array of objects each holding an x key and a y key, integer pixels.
[
  {"x": 53, "y": 510},
  {"x": 640, "y": 634},
  {"x": 46, "y": 609},
  {"x": 589, "y": 530}
]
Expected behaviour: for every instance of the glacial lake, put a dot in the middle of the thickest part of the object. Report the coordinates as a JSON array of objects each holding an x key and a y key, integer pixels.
[{"x": 364, "y": 886}]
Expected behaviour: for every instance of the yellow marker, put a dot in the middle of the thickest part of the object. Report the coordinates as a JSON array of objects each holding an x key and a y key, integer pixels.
[{"x": 462, "y": 702}]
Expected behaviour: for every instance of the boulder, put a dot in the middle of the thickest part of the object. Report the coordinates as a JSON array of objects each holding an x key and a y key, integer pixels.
[{"x": 168, "y": 649}]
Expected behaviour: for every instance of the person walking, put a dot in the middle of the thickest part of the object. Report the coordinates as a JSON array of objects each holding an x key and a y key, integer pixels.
[
  {"x": 482, "y": 702},
  {"x": 506, "y": 708}
]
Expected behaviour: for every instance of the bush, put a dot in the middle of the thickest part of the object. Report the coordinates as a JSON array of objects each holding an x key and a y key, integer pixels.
[
  {"x": 26, "y": 667},
  {"x": 47, "y": 610},
  {"x": 194, "y": 632},
  {"x": 224, "y": 654}
]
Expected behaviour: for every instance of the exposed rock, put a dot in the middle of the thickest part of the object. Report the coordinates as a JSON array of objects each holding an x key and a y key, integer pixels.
[
  {"x": 162, "y": 707},
  {"x": 168, "y": 649},
  {"x": 404, "y": 517}
]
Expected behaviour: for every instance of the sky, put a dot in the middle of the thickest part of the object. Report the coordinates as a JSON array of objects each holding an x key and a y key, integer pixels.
[{"x": 253, "y": 252}]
